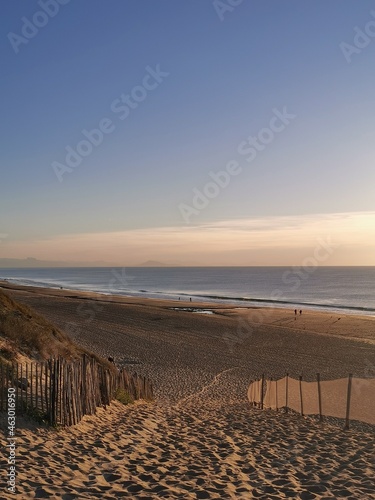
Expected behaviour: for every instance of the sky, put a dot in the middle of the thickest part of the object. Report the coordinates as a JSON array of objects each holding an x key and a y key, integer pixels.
[{"x": 198, "y": 132}]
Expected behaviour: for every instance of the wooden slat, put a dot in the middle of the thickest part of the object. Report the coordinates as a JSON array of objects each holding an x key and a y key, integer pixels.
[
  {"x": 27, "y": 383},
  {"x": 31, "y": 385},
  {"x": 46, "y": 382},
  {"x": 41, "y": 387},
  {"x": 20, "y": 383},
  {"x": 36, "y": 386},
  {"x": 2, "y": 386}
]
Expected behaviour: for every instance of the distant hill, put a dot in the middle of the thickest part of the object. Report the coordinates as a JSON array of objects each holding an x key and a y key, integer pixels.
[
  {"x": 31, "y": 262},
  {"x": 152, "y": 263}
]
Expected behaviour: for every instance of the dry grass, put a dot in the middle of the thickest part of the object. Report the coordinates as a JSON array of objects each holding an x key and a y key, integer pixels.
[{"x": 25, "y": 332}]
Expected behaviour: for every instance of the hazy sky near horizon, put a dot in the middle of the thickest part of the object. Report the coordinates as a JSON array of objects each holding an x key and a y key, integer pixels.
[{"x": 182, "y": 91}]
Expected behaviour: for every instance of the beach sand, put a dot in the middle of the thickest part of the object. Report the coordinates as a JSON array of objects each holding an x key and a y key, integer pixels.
[{"x": 201, "y": 438}]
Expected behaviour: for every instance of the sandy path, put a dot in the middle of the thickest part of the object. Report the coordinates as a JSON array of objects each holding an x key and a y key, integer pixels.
[{"x": 200, "y": 447}]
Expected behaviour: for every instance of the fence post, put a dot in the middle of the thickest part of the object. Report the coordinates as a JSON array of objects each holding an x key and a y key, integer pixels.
[
  {"x": 300, "y": 393},
  {"x": 276, "y": 395},
  {"x": 269, "y": 392},
  {"x": 286, "y": 392},
  {"x": 52, "y": 415},
  {"x": 27, "y": 383},
  {"x": 12, "y": 369},
  {"x": 46, "y": 393},
  {"x": 61, "y": 390},
  {"x": 261, "y": 392},
  {"x": 254, "y": 392},
  {"x": 41, "y": 388},
  {"x": 20, "y": 384},
  {"x": 319, "y": 397},
  {"x": 348, "y": 401},
  {"x": 31, "y": 385},
  {"x": 2, "y": 388},
  {"x": 58, "y": 392},
  {"x": 36, "y": 386}
]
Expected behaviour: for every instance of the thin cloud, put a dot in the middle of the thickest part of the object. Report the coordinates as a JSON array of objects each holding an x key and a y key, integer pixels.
[{"x": 271, "y": 240}]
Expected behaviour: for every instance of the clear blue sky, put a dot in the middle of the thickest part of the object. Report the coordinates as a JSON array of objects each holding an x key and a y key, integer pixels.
[{"x": 225, "y": 78}]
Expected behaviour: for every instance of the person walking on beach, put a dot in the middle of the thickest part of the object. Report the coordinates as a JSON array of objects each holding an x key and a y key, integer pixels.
[
  {"x": 300, "y": 312},
  {"x": 295, "y": 312}
]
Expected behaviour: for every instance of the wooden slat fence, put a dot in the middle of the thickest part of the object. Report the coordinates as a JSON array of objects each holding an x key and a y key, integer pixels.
[
  {"x": 61, "y": 392},
  {"x": 347, "y": 399}
]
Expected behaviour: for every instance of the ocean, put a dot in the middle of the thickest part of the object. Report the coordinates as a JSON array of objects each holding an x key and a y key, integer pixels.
[{"x": 345, "y": 289}]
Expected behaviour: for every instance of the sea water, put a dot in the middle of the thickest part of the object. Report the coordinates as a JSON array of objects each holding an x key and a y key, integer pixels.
[{"x": 346, "y": 289}]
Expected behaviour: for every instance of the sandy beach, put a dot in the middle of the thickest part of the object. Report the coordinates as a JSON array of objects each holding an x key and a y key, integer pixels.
[
  {"x": 200, "y": 438},
  {"x": 187, "y": 250}
]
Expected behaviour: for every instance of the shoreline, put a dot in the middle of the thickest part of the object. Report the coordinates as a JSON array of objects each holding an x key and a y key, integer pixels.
[
  {"x": 323, "y": 323},
  {"x": 210, "y": 300}
]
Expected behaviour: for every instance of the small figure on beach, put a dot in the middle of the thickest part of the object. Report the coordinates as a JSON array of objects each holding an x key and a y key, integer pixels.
[
  {"x": 300, "y": 312},
  {"x": 190, "y": 299},
  {"x": 295, "y": 312}
]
